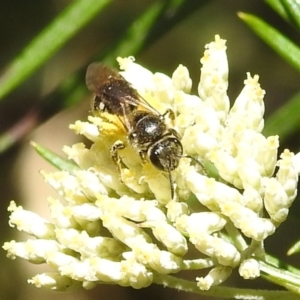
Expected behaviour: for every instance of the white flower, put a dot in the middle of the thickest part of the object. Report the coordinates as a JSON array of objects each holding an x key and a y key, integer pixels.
[
  {"x": 54, "y": 281},
  {"x": 215, "y": 277},
  {"x": 125, "y": 228},
  {"x": 249, "y": 269}
]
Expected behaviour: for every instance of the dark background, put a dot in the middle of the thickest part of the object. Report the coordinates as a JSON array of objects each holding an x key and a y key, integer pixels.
[{"x": 20, "y": 21}]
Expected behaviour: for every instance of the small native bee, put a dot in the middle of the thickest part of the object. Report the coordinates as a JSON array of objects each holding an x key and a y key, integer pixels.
[{"x": 146, "y": 127}]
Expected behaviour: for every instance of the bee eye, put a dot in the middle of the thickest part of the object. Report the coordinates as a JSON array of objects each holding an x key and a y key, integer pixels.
[{"x": 155, "y": 157}]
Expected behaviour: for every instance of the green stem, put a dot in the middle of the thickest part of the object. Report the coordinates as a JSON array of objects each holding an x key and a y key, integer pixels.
[
  {"x": 281, "y": 277},
  {"x": 65, "y": 26},
  {"x": 293, "y": 10},
  {"x": 277, "y": 123},
  {"x": 287, "y": 49},
  {"x": 279, "y": 8},
  {"x": 134, "y": 39},
  {"x": 221, "y": 291},
  {"x": 54, "y": 159},
  {"x": 274, "y": 261},
  {"x": 236, "y": 236}
]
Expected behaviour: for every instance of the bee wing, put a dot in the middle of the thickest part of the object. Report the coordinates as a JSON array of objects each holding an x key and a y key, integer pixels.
[
  {"x": 141, "y": 102},
  {"x": 98, "y": 74}
]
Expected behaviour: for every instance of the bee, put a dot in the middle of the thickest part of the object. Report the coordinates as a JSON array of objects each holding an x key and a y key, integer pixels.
[{"x": 146, "y": 128}]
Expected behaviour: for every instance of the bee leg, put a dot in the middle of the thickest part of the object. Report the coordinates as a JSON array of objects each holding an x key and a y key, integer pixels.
[
  {"x": 143, "y": 156},
  {"x": 170, "y": 113},
  {"x": 118, "y": 145},
  {"x": 173, "y": 132}
]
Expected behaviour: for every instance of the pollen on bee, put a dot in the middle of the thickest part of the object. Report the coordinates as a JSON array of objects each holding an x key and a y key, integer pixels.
[{"x": 109, "y": 125}]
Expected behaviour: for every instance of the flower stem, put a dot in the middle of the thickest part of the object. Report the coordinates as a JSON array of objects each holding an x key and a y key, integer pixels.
[
  {"x": 222, "y": 291},
  {"x": 281, "y": 277}
]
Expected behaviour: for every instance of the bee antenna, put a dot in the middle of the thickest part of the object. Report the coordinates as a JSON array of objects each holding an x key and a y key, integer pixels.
[
  {"x": 171, "y": 184},
  {"x": 172, "y": 180},
  {"x": 197, "y": 162}
]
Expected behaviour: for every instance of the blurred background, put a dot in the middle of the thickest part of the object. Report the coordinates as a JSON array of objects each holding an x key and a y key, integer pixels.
[{"x": 183, "y": 43}]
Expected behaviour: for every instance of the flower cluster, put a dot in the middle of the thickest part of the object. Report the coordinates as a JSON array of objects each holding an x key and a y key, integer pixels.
[{"x": 129, "y": 230}]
